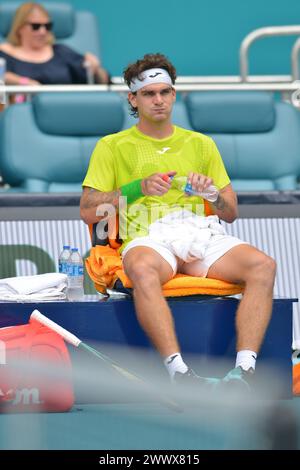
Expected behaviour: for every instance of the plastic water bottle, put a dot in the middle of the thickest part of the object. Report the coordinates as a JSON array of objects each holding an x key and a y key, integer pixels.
[
  {"x": 2, "y": 70},
  {"x": 90, "y": 79},
  {"x": 63, "y": 259},
  {"x": 210, "y": 194},
  {"x": 75, "y": 276},
  {"x": 2, "y": 78}
]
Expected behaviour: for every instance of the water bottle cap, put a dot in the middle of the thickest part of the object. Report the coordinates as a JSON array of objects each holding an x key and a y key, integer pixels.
[
  {"x": 66, "y": 247},
  {"x": 74, "y": 249}
]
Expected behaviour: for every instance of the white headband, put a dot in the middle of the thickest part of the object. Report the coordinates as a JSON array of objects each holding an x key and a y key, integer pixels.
[{"x": 148, "y": 77}]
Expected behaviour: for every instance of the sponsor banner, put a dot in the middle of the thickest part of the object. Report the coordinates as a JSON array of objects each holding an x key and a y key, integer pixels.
[{"x": 33, "y": 247}]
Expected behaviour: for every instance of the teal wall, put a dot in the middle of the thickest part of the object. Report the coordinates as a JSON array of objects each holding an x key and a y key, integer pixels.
[{"x": 201, "y": 37}]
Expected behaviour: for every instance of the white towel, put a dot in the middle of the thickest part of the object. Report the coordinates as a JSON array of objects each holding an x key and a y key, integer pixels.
[
  {"x": 49, "y": 286},
  {"x": 186, "y": 234}
]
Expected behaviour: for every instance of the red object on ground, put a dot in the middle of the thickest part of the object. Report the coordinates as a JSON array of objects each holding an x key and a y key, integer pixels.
[{"x": 37, "y": 374}]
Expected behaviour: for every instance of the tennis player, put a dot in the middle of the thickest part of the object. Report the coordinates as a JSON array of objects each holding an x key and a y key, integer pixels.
[{"x": 134, "y": 164}]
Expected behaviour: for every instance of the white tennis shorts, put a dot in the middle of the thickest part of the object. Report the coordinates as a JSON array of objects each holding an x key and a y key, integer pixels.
[{"x": 218, "y": 245}]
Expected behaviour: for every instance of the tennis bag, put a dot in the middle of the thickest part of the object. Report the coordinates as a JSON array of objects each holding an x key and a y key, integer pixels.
[{"x": 35, "y": 370}]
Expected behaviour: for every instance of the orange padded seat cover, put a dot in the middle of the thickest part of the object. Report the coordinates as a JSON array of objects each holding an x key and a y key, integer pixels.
[{"x": 104, "y": 266}]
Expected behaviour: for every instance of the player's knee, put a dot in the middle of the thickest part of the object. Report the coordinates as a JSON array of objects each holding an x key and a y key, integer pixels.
[
  {"x": 270, "y": 269},
  {"x": 143, "y": 272},
  {"x": 263, "y": 269}
]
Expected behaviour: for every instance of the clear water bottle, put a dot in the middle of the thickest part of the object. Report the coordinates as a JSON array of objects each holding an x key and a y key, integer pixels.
[
  {"x": 210, "y": 194},
  {"x": 2, "y": 78},
  {"x": 181, "y": 182},
  {"x": 75, "y": 276},
  {"x": 63, "y": 259},
  {"x": 2, "y": 70}
]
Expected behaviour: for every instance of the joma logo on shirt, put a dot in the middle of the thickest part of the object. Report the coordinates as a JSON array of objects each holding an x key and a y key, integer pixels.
[{"x": 164, "y": 150}]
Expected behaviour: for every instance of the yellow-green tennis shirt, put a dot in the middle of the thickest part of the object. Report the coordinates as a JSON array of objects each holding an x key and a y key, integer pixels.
[{"x": 128, "y": 155}]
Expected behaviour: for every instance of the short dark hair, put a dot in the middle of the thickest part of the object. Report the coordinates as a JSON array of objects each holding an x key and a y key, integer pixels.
[{"x": 149, "y": 61}]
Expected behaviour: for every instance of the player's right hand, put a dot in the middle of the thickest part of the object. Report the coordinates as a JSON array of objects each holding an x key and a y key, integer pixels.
[{"x": 156, "y": 184}]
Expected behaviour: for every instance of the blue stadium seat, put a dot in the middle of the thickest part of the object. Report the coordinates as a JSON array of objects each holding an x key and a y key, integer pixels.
[
  {"x": 46, "y": 144},
  {"x": 258, "y": 137},
  {"x": 180, "y": 115},
  {"x": 70, "y": 26}
]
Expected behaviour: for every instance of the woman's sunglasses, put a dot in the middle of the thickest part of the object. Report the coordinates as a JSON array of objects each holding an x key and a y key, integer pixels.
[{"x": 37, "y": 26}]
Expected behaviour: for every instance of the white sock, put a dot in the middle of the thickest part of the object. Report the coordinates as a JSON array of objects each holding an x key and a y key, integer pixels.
[
  {"x": 246, "y": 359},
  {"x": 174, "y": 363}
]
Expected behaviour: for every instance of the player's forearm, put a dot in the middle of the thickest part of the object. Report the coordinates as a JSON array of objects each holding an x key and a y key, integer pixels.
[
  {"x": 225, "y": 207},
  {"x": 94, "y": 204}
]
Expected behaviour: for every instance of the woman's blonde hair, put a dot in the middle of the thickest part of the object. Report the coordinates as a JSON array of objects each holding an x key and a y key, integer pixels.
[{"x": 20, "y": 19}]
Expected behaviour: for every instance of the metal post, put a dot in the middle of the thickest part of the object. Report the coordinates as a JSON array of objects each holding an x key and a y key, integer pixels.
[
  {"x": 295, "y": 62},
  {"x": 259, "y": 34}
]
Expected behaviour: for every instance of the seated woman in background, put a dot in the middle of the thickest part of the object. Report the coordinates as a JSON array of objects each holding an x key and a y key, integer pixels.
[{"x": 32, "y": 58}]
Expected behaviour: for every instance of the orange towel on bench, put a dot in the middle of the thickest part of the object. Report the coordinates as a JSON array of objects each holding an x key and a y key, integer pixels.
[{"x": 104, "y": 267}]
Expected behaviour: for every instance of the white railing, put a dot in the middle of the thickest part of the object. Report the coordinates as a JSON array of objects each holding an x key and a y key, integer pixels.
[
  {"x": 290, "y": 91},
  {"x": 196, "y": 79},
  {"x": 269, "y": 31},
  {"x": 29, "y": 90}
]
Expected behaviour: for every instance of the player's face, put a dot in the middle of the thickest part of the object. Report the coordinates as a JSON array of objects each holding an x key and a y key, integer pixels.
[{"x": 154, "y": 102}]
